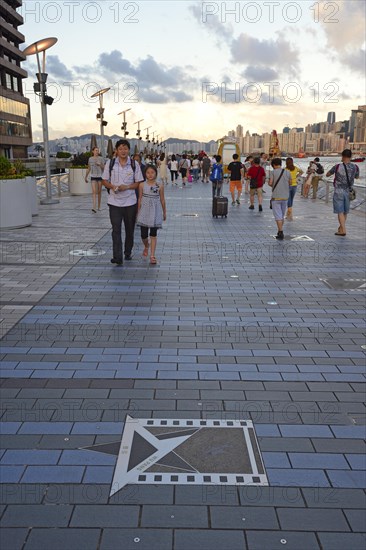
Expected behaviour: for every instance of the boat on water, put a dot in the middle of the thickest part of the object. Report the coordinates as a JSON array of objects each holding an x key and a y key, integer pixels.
[{"x": 359, "y": 159}]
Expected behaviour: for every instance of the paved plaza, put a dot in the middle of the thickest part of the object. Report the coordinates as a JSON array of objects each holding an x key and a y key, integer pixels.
[{"x": 214, "y": 401}]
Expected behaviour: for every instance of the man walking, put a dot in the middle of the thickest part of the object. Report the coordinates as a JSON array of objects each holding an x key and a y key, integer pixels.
[
  {"x": 345, "y": 175},
  {"x": 256, "y": 175},
  {"x": 280, "y": 181},
  {"x": 236, "y": 173},
  {"x": 317, "y": 177},
  {"x": 122, "y": 176}
]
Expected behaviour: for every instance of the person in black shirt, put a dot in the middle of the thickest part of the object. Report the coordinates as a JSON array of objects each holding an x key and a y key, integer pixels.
[{"x": 236, "y": 174}]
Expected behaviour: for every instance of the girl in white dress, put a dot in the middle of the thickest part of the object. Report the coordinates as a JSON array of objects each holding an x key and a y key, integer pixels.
[
  {"x": 151, "y": 210},
  {"x": 163, "y": 168}
]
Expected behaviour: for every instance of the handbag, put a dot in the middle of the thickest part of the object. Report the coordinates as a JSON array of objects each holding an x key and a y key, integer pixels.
[
  {"x": 190, "y": 178},
  {"x": 352, "y": 192},
  {"x": 274, "y": 187},
  {"x": 253, "y": 181}
]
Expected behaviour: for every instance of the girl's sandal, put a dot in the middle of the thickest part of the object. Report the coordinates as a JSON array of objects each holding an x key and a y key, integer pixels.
[
  {"x": 153, "y": 260},
  {"x": 145, "y": 252}
]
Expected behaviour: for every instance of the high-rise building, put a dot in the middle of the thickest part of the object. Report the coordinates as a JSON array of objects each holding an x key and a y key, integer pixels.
[
  {"x": 15, "y": 121},
  {"x": 239, "y": 131},
  {"x": 331, "y": 118}
]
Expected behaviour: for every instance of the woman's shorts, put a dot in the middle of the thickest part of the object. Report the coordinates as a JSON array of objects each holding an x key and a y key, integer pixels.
[
  {"x": 183, "y": 171},
  {"x": 96, "y": 179},
  {"x": 341, "y": 201}
]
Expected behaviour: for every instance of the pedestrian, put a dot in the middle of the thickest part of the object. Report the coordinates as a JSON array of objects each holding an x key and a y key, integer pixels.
[
  {"x": 344, "y": 177},
  {"x": 317, "y": 176},
  {"x": 280, "y": 181},
  {"x": 151, "y": 211},
  {"x": 174, "y": 169},
  {"x": 122, "y": 176},
  {"x": 256, "y": 175},
  {"x": 163, "y": 172},
  {"x": 183, "y": 168},
  {"x": 95, "y": 169},
  {"x": 217, "y": 177},
  {"x": 206, "y": 166},
  {"x": 295, "y": 172},
  {"x": 137, "y": 158},
  {"x": 236, "y": 174},
  {"x": 310, "y": 173},
  {"x": 247, "y": 164},
  {"x": 195, "y": 168}
]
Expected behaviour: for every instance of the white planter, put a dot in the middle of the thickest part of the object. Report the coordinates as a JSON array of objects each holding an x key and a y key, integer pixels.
[
  {"x": 78, "y": 185},
  {"x": 15, "y": 204},
  {"x": 32, "y": 184}
]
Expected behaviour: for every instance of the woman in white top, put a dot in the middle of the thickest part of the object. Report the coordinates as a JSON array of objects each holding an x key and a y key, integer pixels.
[
  {"x": 163, "y": 172},
  {"x": 173, "y": 167},
  {"x": 95, "y": 168},
  {"x": 195, "y": 168}
]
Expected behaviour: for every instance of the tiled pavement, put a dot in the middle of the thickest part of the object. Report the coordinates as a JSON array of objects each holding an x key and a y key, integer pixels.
[{"x": 230, "y": 325}]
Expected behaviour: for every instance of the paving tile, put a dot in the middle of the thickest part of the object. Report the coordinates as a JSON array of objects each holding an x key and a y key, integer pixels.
[
  {"x": 85, "y": 457},
  {"x": 312, "y": 520},
  {"x": 145, "y": 539},
  {"x": 340, "y": 541},
  {"x": 357, "y": 462},
  {"x": 13, "y": 539},
  {"x": 59, "y": 539},
  {"x": 53, "y": 474},
  {"x": 240, "y": 517},
  {"x": 305, "y": 431},
  {"x": 277, "y": 540},
  {"x": 270, "y": 496},
  {"x": 30, "y": 456},
  {"x": 318, "y": 461},
  {"x": 144, "y": 494},
  {"x": 334, "y": 498},
  {"x": 174, "y": 516},
  {"x": 98, "y": 474},
  {"x": 224, "y": 495},
  {"x": 36, "y": 515},
  {"x": 297, "y": 477},
  {"x": 206, "y": 540},
  {"x": 347, "y": 478},
  {"x": 11, "y": 474},
  {"x": 105, "y": 516}
]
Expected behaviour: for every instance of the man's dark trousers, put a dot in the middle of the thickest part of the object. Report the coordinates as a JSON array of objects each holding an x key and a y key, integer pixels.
[{"x": 128, "y": 215}]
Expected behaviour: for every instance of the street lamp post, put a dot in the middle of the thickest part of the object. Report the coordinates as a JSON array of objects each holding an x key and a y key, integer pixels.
[
  {"x": 41, "y": 89},
  {"x": 124, "y": 123},
  {"x": 100, "y": 117}
]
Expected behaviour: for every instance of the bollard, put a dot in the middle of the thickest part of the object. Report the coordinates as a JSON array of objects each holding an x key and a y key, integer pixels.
[{"x": 58, "y": 177}]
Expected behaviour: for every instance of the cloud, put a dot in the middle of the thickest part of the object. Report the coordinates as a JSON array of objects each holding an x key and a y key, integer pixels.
[
  {"x": 247, "y": 49},
  {"x": 343, "y": 24},
  {"x": 223, "y": 31},
  {"x": 260, "y": 74},
  {"x": 354, "y": 60},
  {"x": 115, "y": 63},
  {"x": 57, "y": 69}
]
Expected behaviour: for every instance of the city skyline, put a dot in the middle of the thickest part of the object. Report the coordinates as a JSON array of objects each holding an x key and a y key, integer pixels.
[{"x": 203, "y": 74}]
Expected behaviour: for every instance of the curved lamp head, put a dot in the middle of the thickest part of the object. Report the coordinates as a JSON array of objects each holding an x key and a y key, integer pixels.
[
  {"x": 40, "y": 46},
  {"x": 100, "y": 92}
]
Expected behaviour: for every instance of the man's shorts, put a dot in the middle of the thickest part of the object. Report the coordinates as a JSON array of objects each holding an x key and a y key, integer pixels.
[
  {"x": 279, "y": 209},
  {"x": 236, "y": 185},
  {"x": 257, "y": 191},
  {"x": 341, "y": 201}
]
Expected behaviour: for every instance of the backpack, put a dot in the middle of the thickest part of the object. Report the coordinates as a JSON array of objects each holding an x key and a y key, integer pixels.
[
  {"x": 216, "y": 174},
  {"x": 111, "y": 165},
  {"x": 320, "y": 169}
]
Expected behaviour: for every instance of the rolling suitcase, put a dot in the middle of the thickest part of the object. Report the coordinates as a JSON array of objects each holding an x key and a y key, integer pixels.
[{"x": 220, "y": 207}]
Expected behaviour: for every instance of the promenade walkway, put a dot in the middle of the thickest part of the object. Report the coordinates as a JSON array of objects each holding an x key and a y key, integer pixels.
[{"x": 231, "y": 327}]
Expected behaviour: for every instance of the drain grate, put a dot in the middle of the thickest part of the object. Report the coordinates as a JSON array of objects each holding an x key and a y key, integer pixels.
[
  {"x": 154, "y": 451},
  {"x": 345, "y": 284},
  {"x": 91, "y": 252}
]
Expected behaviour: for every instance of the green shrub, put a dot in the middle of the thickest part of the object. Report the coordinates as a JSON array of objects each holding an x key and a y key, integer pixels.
[
  {"x": 63, "y": 155},
  {"x": 5, "y": 166},
  {"x": 81, "y": 161}
]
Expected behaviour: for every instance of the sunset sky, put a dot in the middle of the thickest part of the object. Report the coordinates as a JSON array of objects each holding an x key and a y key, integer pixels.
[{"x": 302, "y": 59}]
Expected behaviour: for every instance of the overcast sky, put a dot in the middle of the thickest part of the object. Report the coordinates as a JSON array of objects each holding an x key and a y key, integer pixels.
[{"x": 174, "y": 64}]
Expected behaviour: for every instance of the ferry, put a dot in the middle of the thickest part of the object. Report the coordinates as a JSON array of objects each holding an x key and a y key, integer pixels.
[{"x": 359, "y": 159}]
